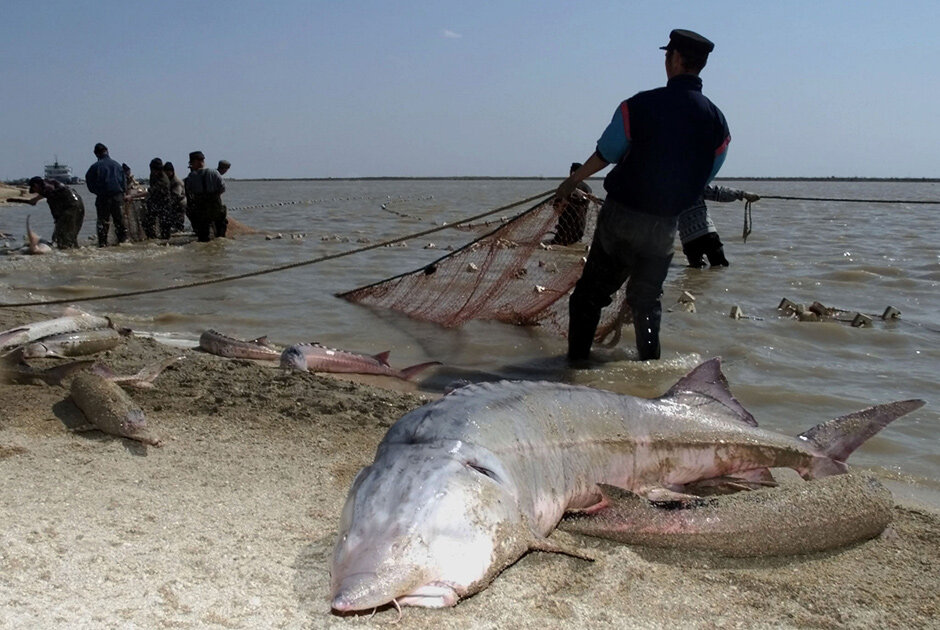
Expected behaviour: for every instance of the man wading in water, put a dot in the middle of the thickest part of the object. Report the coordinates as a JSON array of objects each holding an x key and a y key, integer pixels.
[
  {"x": 667, "y": 144},
  {"x": 204, "y": 188}
]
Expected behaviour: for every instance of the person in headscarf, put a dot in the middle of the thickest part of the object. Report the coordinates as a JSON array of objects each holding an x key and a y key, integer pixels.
[
  {"x": 177, "y": 198},
  {"x": 157, "y": 221}
]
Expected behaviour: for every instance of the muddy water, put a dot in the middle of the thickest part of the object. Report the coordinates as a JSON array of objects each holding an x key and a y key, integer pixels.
[{"x": 856, "y": 256}]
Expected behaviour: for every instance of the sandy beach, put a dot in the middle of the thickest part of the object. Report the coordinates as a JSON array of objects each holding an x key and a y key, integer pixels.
[{"x": 230, "y": 524}]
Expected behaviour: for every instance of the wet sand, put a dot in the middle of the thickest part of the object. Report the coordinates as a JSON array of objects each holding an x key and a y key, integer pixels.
[{"x": 231, "y": 523}]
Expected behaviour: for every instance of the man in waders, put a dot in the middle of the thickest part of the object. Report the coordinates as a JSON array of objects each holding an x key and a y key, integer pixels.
[
  {"x": 105, "y": 180},
  {"x": 204, "y": 188},
  {"x": 68, "y": 209},
  {"x": 667, "y": 144}
]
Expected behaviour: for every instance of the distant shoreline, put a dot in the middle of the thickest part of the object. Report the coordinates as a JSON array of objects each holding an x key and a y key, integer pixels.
[{"x": 542, "y": 178}]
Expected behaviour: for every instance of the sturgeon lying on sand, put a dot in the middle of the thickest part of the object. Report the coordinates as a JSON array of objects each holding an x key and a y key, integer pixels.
[
  {"x": 792, "y": 519},
  {"x": 463, "y": 487},
  {"x": 77, "y": 343},
  {"x": 73, "y": 319},
  {"x": 108, "y": 408},
  {"x": 314, "y": 357},
  {"x": 214, "y": 342}
]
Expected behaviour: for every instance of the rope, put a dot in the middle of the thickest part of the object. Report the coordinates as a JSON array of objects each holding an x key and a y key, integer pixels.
[
  {"x": 261, "y": 272},
  {"x": 849, "y": 200},
  {"x": 747, "y": 220}
]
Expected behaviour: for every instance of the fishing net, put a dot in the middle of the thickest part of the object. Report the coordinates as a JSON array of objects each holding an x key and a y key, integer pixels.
[{"x": 519, "y": 273}]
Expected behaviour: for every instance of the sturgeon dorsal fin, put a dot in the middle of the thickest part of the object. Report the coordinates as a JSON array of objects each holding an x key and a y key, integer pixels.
[
  {"x": 707, "y": 380},
  {"x": 382, "y": 357}
]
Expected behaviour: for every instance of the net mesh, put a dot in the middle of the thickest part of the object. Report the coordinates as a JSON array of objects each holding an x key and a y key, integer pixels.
[{"x": 519, "y": 273}]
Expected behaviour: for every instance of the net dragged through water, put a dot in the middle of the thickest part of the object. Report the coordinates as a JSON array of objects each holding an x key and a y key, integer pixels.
[{"x": 519, "y": 273}]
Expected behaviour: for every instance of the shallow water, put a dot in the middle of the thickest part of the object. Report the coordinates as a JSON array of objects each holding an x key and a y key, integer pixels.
[{"x": 789, "y": 374}]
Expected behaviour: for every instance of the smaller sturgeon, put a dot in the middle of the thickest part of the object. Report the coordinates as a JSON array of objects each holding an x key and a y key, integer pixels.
[
  {"x": 109, "y": 409},
  {"x": 314, "y": 357},
  {"x": 792, "y": 519},
  {"x": 214, "y": 342},
  {"x": 76, "y": 343},
  {"x": 23, "y": 374},
  {"x": 143, "y": 379},
  {"x": 34, "y": 245},
  {"x": 73, "y": 319}
]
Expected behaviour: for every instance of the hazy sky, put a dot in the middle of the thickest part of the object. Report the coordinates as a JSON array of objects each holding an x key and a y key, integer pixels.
[{"x": 438, "y": 88}]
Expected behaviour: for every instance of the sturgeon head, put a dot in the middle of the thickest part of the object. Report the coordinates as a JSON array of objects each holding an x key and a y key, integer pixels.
[
  {"x": 293, "y": 358},
  {"x": 425, "y": 525}
]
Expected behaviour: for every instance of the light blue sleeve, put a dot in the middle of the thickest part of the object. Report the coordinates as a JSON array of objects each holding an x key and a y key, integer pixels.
[{"x": 614, "y": 143}]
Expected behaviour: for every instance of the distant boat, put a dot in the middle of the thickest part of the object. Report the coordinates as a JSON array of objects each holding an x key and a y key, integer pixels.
[{"x": 60, "y": 172}]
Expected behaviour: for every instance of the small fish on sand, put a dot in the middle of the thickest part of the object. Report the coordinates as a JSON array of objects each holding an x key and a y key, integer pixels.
[
  {"x": 77, "y": 343},
  {"x": 144, "y": 377},
  {"x": 72, "y": 320},
  {"x": 314, "y": 357},
  {"x": 109, "y": 409},
  {"x": 791, "y": 519},
  {"x": 223, "y": 345},
  {"x": 24, "y": 374}
]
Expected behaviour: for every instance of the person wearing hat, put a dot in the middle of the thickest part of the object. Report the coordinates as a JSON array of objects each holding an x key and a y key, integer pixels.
[
  {"x": 204, "y": 188},
  {"x": 666, "y": 145},
  {"x": 68, "y": 209},
  {"x": 105, "y": 180},
  {"x": 224, "y": 165},
  {"x": 697, "y": 231},
  {"x": 573, "y": 218}
]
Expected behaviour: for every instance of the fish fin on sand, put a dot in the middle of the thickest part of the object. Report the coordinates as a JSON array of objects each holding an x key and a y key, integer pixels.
[
  {"x": 839, "y": 437},
  {"x": 410, "y": 371},
  {"x": 707, "y": 380},
  {"x": 745, "y": 480},
  {"x": 261, "y": 341},
  {"x": 382, "y": 357},
  {"x": 562, "y": 543},
  {"x": 658, "y": 494}
]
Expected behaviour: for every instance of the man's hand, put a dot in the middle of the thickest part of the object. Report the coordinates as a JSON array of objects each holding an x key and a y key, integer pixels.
[
  {"x": 752, "y": 197},
  {"x": 564, "y": 192}
]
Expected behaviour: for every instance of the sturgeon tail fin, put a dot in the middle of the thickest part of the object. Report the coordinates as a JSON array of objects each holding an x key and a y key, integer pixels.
[
  {"x": 410, "y": 371},
  {"x": 836, "y": 439}
]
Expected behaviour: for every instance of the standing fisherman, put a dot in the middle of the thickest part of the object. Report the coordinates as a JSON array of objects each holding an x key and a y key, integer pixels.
[
  {"x": 667, "y": 144},
  {"x": 105, "y": 180},
  {"x": 68, "y": 209},
  {"x": 204, "y": 188}
]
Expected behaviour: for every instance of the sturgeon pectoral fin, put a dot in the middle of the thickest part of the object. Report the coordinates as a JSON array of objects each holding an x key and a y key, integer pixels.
[
  {"x": 746, "y": 480},
  {"x": 566, "y": 547},
  {"x": 658, "y": 494}
]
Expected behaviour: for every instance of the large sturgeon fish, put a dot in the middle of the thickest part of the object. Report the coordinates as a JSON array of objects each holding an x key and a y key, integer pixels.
[{"x": 463, "y": 487}]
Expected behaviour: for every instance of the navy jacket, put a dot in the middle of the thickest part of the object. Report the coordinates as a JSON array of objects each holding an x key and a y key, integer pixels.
[
  {"x": 675, "y": 140},
  {"x": 105, "y": 177}
]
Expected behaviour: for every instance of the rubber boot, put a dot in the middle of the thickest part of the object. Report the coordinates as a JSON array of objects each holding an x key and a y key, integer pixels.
[
  {"x": 581, "y": 329},
  {"x": 646, "y": 328}
]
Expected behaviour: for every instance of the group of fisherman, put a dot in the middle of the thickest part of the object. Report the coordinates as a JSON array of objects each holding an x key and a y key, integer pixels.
[
  {"x": 667, "y": 144},
  {"x": 167, "y": 200}
]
